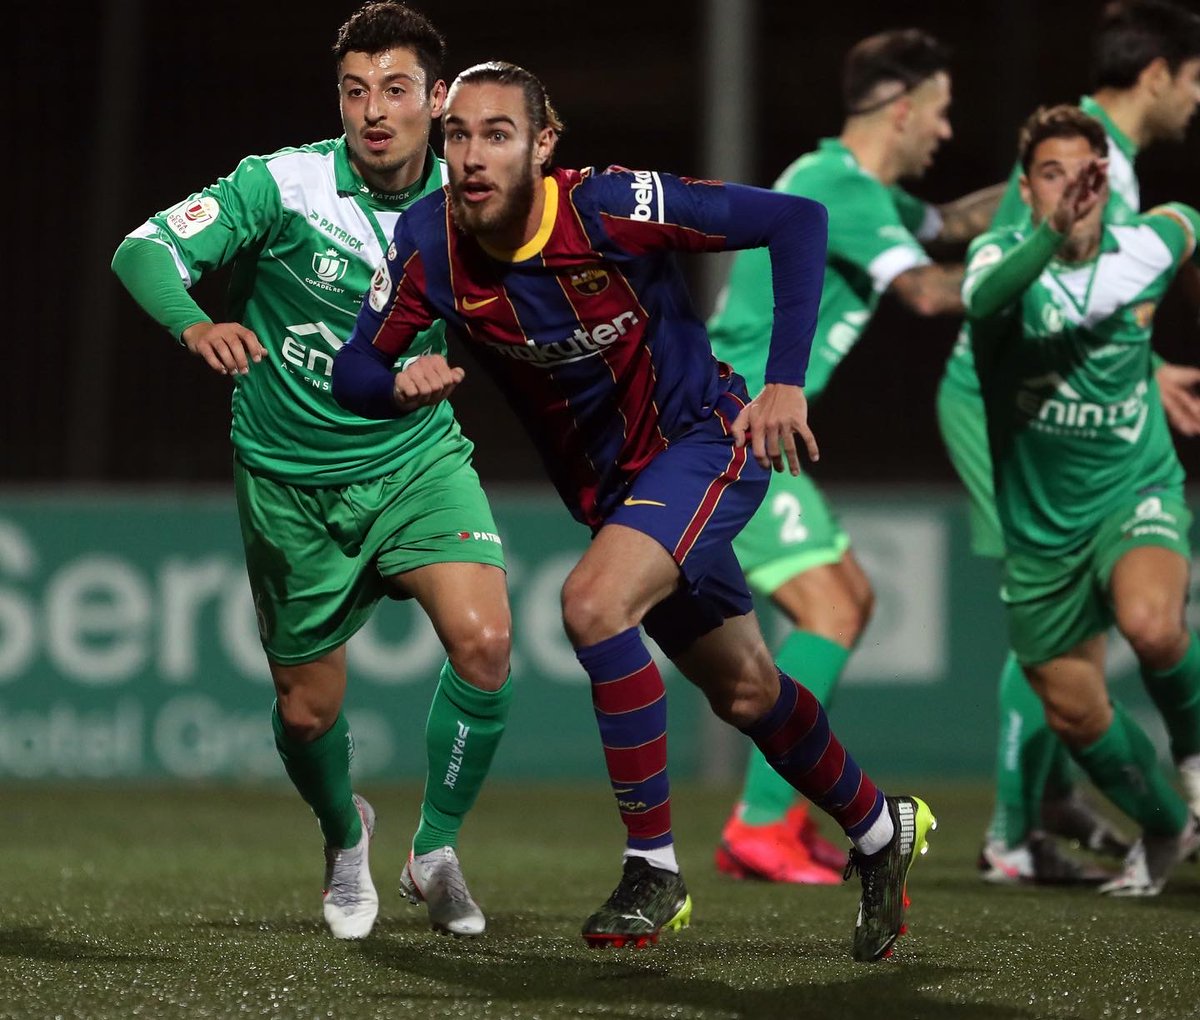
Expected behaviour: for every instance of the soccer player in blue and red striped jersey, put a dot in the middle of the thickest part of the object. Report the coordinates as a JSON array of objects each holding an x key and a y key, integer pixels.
[{"x": 565, "y": 284}]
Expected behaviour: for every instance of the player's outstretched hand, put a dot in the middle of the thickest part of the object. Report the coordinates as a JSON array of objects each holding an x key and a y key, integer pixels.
[
  {"x": 1178, "y": 386},
  {"x": 424, "y": 381},
  {"x": 1081, "y": 195},
  {"x": 228, "y": 347},
  {"x": 773, "y": 419}
]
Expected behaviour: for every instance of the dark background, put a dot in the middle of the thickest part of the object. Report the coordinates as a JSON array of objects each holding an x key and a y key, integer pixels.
[{"x": 124, "y": 108}]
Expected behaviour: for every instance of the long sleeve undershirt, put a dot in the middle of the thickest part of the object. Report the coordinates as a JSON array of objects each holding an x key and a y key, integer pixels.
[
  {"x": 1005, "y": 282},
  {"x": 148, "y": 272}
]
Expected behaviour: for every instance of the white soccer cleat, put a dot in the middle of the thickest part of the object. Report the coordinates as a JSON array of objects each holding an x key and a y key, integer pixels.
[
  {"x": 1151, "y": 861},
  {"x": 351, "y": 903},
  {"x": 436, "y": 879},
  {"x": 1036, "y": 861},
  {"x": 1189, "y": 779}
]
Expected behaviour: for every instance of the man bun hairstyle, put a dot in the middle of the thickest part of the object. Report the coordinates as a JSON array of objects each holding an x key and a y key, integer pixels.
[{"x": 538, "y": 108}]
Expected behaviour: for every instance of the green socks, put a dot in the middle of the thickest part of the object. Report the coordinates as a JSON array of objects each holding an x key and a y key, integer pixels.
[
  {"x": 461, "y": 736},
  {"x": 320, "y": 771},
  {"x": 1176, "y": 693},
  {"x": 1124, "y": 766},
  {"x": 1029, "y": 758},
  {"x": 817, "y": 663}
]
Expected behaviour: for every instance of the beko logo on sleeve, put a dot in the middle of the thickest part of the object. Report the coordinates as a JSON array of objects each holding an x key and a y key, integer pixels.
[{"x": 647, "y": 194}]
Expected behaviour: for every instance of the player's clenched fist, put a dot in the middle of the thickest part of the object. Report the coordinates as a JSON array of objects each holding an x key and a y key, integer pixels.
[
  {"x": 424, "y": 381},
  {"x": 228, "y": 347}
]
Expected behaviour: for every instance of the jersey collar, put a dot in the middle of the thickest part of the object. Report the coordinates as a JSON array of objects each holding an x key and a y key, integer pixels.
[
  {"x": 350, "y": 183},
  {"x": 836, "y": 147},
  {"x": 1123, "y": 142},
  {"x": 536, "y": 243}
]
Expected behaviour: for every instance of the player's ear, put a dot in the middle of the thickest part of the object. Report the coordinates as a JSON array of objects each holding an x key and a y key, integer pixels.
[
  {"x": 437, "y": 99},
  {"x": 1156, "y": 75},
  {"x": 543, "y": 146},
  {"x": 1023, "y": 184},
  {"x": 902, "y": 109}
]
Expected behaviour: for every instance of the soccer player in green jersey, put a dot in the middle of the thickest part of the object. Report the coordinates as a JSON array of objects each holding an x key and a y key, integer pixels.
[
  {"x": 896, "y": 89},
  {"x": 336, "y": 511},
  {"x": 1089, "y": 490},
  {"x": 1146, "y": 66}
]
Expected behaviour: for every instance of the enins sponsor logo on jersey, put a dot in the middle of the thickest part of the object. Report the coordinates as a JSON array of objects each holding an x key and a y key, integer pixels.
[
  {"x": 589, "y": 281},
  {"x": 583, "y": 343},
  {"x": 1063, "y": 410},
  {"x": 188, "y": 218}
]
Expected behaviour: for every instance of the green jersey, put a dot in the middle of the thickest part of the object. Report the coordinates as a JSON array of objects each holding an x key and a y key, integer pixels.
[
  {"x": 304, "y": 234},
  {"x": 874, "y": 236},
  {"x": 1075, "y": 424},
  {"x": 1124, "y": 201}
]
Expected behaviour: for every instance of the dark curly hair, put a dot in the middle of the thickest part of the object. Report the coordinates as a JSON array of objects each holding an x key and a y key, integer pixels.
[
  {"x": 1063, "y": 121},
  {"x": 385, "y": 25}
]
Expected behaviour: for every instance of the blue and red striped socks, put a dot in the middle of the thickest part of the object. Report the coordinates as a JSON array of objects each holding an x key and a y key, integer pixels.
[
  {"x": 631, "y": 709},
  {"x": 795, "y": 738}
]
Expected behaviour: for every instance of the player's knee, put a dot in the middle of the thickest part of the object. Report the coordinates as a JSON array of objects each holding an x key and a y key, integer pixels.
[
  {"x": 590, "y": 614},
  {"x": 303, "y": 719},
  {"x": 481, "y": 657},
  {"x": 1156, "y": 633},
  {"x": 832, "y": 608},
  {"x": 1079, "y": 724}
]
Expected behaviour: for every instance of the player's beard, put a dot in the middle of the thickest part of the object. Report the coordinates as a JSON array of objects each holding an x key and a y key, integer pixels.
[
  {"x": 508, "y": 212},
  {"x": 389, "y": 165}
]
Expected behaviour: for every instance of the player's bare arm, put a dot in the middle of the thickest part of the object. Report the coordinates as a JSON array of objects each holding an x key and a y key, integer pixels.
[
  {"x": 1179, "y": 388},
  {"x": 425, "y": 380},
  {"x": 772, "y": 420},
  {"x": 934, "y": 289},
  {"x": 967, "y": 217},
  {"x": 229, "y": 348}
]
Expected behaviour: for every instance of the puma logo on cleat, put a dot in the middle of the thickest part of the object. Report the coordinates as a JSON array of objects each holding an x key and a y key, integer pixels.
[
  {"x": 905, "y": 815},
  {"x": 638, "y": 916}
]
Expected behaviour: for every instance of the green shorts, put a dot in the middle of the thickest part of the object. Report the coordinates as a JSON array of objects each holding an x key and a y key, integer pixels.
[
  {"x": 792, "y": 531},
  {"x": 1055, "y": 601},
  {"x": 318, "y": 558},
  {"x": 964, "y": 431}
]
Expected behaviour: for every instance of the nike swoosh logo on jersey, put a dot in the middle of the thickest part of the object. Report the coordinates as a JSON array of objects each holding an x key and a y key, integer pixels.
[
  {"x": 630, "y": 501},
  {"x": 469, "y": 306}
]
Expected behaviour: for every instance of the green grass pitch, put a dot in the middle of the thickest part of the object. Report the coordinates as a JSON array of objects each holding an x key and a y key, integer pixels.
[{"x": 128, "y": 902}]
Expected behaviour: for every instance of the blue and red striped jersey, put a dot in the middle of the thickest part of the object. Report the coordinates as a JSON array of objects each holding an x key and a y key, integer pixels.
[{"x": 588, "y": 328}]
